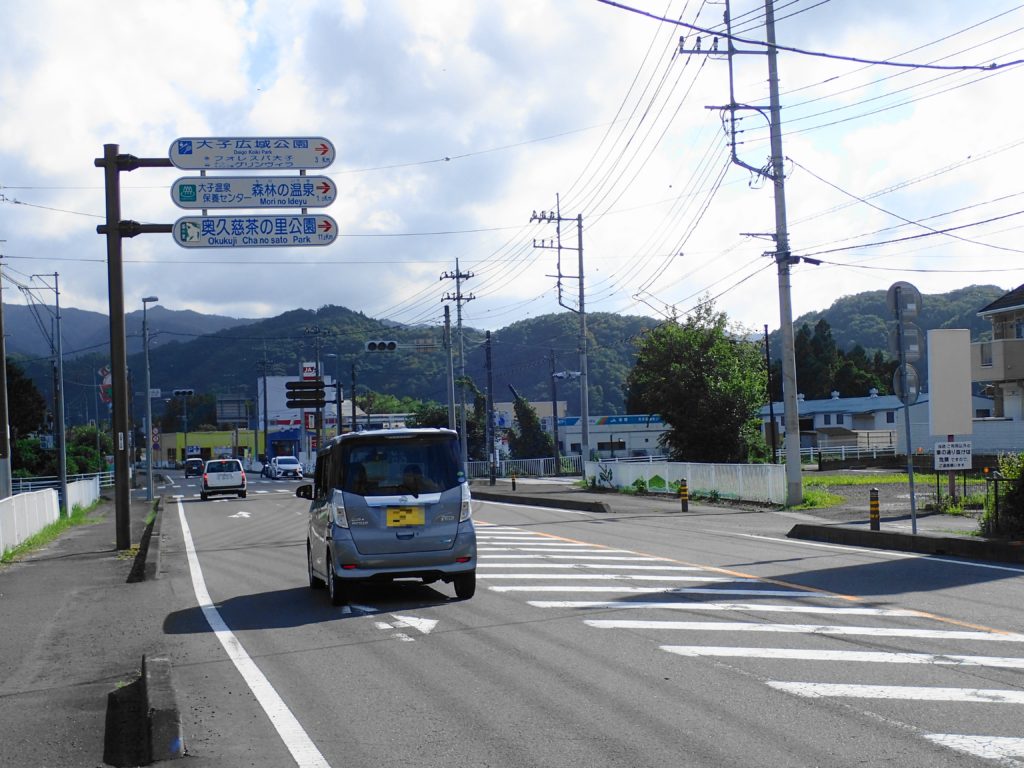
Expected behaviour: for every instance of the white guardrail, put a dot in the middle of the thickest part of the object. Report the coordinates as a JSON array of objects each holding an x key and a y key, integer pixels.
[
  {"x": 27, "y": 512},
  {"x": 25, "y": 515}
]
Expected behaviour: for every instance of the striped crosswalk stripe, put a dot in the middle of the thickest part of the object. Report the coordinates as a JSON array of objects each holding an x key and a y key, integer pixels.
[
  {"x": 902, "y": 692},
  {"x": 693, "y": 605},
  {"x": 871, "y": 657},
  {"x": 811, "y": 629}
]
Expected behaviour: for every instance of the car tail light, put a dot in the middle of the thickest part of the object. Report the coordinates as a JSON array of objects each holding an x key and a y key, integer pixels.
[
  {"x": 349, "y": 567},
  {"x": 466, "y": 511},
  {"x": 463, "y": 559},
  {"x": 243, "y": 475}
]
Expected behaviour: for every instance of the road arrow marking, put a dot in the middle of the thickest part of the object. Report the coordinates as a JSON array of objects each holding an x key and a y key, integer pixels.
[
  {"x": 423, "y": 625},
  {"x": 240, "y": 514}
]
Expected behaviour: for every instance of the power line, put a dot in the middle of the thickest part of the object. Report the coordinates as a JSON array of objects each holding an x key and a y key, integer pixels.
[{"x": 804, "y": 52}]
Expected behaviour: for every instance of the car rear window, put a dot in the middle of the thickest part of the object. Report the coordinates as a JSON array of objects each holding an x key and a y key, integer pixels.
[
  {"x": 386, "y": 466},
  {"x": 223, "y": 466}
]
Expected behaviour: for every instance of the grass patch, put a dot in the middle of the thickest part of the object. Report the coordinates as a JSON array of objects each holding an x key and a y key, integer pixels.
[
  {"x": 815, "y": 498},
  {"x": 79, "y": 516},
  {"x": 833, "y": 480}
]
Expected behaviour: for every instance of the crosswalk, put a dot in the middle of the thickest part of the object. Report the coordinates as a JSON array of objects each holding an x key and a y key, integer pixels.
[{"x": 651, "y": 593}]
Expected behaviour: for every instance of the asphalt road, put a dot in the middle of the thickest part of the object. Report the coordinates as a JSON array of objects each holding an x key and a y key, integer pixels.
[{"x": 644, "y": 638}]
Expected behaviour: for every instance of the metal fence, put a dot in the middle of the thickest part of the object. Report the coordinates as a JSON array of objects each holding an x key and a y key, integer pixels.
[
  {"x": 30, "y": 484},
  {"x": 569, "y": 465}
]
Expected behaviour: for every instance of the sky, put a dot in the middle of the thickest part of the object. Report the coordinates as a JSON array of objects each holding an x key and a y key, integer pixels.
[{"x": 459, "y": 123}]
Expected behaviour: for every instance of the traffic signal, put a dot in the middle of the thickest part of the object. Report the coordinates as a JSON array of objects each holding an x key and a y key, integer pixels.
[
  {"x": 184, "y": 392},
  {"x": 381, "y": 346},
  {"x": 305, "y": 394}
]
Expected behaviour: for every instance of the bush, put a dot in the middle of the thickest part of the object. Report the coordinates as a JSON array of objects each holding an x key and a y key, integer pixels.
[
  {"x": 1010, "y": 518},
  {"x": 640, "y": 486}
]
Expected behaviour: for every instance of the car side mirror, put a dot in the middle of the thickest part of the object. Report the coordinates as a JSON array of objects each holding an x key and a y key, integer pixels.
[{"x": 305, "y": 491}]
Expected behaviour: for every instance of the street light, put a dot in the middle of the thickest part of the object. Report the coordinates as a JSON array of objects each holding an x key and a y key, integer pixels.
[{"x": 149, "y": 399}]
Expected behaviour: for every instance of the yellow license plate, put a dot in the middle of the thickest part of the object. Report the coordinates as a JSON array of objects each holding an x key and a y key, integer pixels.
[{"x": 400, "y": 516}]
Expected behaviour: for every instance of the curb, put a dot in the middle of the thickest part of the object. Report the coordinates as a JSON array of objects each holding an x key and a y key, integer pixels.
[
  {"x": 540, "y": 501},
  {"x": 165, "y": 738},
  {"x": 922, "y": 543}
]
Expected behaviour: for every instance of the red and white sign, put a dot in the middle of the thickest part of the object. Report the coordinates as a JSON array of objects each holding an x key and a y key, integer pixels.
[{"x": 308, "y": 371}]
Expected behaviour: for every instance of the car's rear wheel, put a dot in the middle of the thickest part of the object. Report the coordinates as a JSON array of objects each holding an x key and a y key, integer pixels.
[
  {"x": 241, "y": 494},
  {"x": 204, "y": 496},
  {"x": 465, "y": 585},
  {"x": 315, "y": 582},
  {"x": 337, "y": 589}
]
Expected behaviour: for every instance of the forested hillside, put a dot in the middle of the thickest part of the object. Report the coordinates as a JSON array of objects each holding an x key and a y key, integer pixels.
[{"x": 523, "y": 354}]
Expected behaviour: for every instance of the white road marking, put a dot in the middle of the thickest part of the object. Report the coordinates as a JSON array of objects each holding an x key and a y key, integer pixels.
[
  {"x": 693, "y": 605},
  {"x": 546, "y": 551},
  {"x": 880, "y": 552},
  {"x": 610, "y": 577},
  {"x": 900, "y": 692},
  {"x": 808, "y": 629},
  {"x": 991, "y": 747},
  {"x": 873, "y": 657},
  {"x": 240, "y": 513},
  {"x": 547, "y": 557},
  {"x": 295, "y": 738},
  {"x": 421, "y": 625},
  {"x": 589, "y": 566},
  {"x": 669, "y": 591}
]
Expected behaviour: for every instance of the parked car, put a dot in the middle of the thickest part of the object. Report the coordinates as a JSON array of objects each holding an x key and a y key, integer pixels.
[
  {"x": 223, "y": 476},
  {"x": 285, "y": 466},
  {"x": 194, "y": 467},
  {"x": 390, "y": 504}
]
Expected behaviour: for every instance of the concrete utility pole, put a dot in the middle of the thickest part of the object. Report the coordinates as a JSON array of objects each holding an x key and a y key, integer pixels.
[
  {"x": 58, "y": 396},
  {"x": 580, "y": 309},
  {"x": 782, "y": 255},
  {"x": 450, "y": 367},
  {"x": 148, "y": 432},
  {"x": 489, "y": 404},
  {"x": 459, "y": 298},
  {"x": 6, "y": 486}
]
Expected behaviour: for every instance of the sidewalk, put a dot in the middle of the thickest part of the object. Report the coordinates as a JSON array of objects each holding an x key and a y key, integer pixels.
[{"x": 72, "y": 630}]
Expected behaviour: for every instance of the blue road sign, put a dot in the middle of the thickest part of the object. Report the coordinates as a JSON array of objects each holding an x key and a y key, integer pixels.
[
  {"x": 196, "y": 192},
  {"x": 279, "y": 231},
  {"x": 253, "y": 152}
]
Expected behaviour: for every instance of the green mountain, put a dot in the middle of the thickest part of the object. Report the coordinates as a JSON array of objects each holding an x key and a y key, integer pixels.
[{"x": 229, "y": 360}]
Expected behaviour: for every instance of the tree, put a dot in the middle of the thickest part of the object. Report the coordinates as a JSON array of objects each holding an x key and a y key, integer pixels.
[
  {"x": 26, "y": 407},
  {"x": 528, "y": 440},
  {"x": 706, "y": 381}
]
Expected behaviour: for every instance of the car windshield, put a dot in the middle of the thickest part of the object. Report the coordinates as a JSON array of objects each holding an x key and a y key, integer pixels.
[
  {"x": 402, "y": 464},
  {"x": 222, "y": 466},
  {"x": 287, "y": 460}
]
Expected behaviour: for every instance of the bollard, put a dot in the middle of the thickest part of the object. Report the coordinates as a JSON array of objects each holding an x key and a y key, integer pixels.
[
  {"x": 684, "y": 496},
  {"x": 873, "y": 515},
  {"x": 513, "y": 481}
]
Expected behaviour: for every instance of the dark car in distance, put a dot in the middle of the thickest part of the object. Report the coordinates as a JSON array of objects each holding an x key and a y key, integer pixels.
[{"x": 194, "y": 467}]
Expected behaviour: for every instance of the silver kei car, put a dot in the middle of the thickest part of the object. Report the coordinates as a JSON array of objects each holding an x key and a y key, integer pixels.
[{"x": 390, "y": 504}]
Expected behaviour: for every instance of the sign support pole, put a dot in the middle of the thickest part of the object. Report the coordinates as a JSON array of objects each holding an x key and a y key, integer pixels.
[
  {"x": 905, "y": 388},
  {"x": 112, "y": 164}
]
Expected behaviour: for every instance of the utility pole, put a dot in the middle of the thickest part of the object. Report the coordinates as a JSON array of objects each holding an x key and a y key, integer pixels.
[
  {"x": 459, "y": 298},
  {"x": 450, "y": 367},
  {"x": 58, "y": 396},
  {"x": 775, "y": 172},
  {"x": 580, "y": 309},
  {"x": 6, "y": 486},
  {"x": 315, "y": 331},
  {"x": 554, "y": 415},
  {"x": 489, "y": 404},
  {"x": 771, "y": 402},
  {"x": 263, "y": 365}
]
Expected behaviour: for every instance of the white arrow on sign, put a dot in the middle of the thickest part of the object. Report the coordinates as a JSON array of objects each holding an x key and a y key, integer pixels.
[{"x": 423, "y": 625}]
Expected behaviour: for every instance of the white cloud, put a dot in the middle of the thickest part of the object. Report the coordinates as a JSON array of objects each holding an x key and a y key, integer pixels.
[{"x": 400, "y": 85}]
